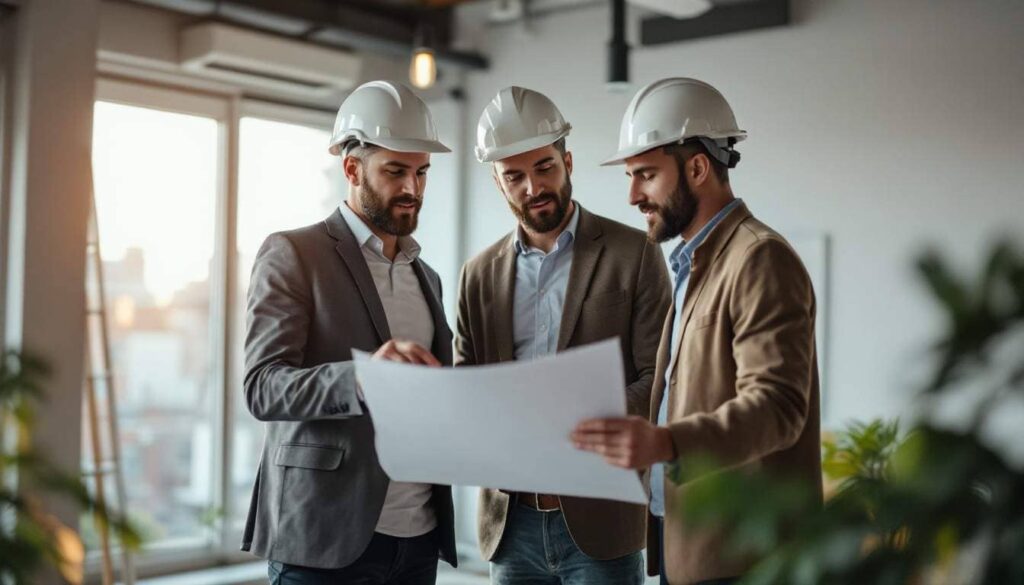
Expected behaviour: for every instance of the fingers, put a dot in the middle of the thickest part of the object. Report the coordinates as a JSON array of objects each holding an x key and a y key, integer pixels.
[
  {"x": 406, "y": 352},
  {"x": 619, "y": 440},
  {"x": 389, "y": 351},
  {"x": 623, "y": 462},
  {"x": 605, "y": 444},
  {"x": 602, "y": 425},
  {"x": 619, "y": 455},
  {"x": 607, "y": 449},
  {"x": 417, "y": 353}
]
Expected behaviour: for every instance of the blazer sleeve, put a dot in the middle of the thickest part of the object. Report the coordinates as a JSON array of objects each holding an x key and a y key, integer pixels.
[
  {"x": 280, "y": 308},
  {"x": 650, "y": 306},
  {"x": 771, "y": 307},
  {"x": 465, "y": 355}
]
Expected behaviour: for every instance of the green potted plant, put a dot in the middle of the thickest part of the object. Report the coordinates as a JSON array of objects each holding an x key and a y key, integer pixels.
[
  {"x": 30, "y": 538},
  {"x": 938, "y": 505}
]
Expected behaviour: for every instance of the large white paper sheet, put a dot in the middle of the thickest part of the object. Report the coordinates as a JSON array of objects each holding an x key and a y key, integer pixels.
[{"x": 502, "y": 426}]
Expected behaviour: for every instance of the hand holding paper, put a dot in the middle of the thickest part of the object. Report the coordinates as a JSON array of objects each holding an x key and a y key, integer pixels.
[{"x": 502, "y": 426}]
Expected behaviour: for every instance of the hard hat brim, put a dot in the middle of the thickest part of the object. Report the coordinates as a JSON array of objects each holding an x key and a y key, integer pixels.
[
  {"x": 520, "y": 147},
  {"x": 620, "y": 157},
  {"x": 398, "y": 145}
]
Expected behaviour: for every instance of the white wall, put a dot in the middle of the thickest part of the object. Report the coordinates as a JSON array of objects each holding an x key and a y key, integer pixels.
[
  {"x": 51, "y": 87},
  {"x": 887, "y": 126}
]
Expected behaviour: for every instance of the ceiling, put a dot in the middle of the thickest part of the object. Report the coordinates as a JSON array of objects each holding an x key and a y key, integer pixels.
[{"x": 381, "y": 26}]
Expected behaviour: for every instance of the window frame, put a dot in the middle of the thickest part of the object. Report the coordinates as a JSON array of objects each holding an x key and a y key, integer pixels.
[
  {"x": 222, "y": 108},
  {"x": 227, "y": 109}
]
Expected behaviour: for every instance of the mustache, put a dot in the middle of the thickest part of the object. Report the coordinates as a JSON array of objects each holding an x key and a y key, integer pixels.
[
  {"x": 406, "y": 200},
  {"x": 543, "y": 197},
  {"x": 648, "y": 208}
]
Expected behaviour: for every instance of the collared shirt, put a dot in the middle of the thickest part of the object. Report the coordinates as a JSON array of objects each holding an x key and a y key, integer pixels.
[
  {"x": 541, "y": 281},
  {"x": 681, "y": 261},
  {"x": 407, "y": 511}
]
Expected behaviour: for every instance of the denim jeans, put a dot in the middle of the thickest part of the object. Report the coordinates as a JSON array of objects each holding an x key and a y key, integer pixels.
[
  {"x": 537, "y": 549},
  {"x": 388, "y": 560}
]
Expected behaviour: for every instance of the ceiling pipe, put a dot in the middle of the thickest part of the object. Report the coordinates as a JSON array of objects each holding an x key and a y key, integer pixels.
[
  {"x": 320, "y": 22},
  {"x": 618, "y": 49}
]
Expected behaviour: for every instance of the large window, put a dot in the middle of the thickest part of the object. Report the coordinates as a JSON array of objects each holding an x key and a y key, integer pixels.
[
  {"x": 286, "y": 179},
  {"x": 161, "y": 197},
  {"x": 156, "y": 180}
]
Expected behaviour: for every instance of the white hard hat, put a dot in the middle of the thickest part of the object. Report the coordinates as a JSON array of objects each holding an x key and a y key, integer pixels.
[
  {"x": 517, "y": 120},
  {"x": 386, "y": 114},
  {"x": 673, "y": 110}
]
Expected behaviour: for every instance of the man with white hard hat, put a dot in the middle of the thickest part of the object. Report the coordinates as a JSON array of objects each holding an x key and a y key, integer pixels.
[
  {"x": 737, "y": 376},
  {"x": 323, "y": 511},
  {"x": 564, "y": 277}
]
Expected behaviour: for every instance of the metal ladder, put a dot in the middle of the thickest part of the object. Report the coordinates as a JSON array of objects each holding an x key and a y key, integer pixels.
[{"x": 101, "y": 407}]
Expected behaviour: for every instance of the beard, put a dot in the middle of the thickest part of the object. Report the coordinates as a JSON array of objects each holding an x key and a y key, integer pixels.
[
  {"x": 545, "y": 221},
  {"x": 384, "y": 214},
  {"x": 672, "y": 218}
]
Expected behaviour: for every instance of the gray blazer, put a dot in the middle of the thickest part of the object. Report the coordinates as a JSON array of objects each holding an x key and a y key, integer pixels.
[{"x": 320, "y": 489}]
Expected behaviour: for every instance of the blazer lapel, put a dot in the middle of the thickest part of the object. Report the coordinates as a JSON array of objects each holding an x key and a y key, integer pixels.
[
  {"x": 587, "y": 249},
  {"x": 436, "y": 310},
  {"x": 348, "y": 249},
  {"x": 658, "y": 386},
  {"x": 703, "y": 257},
  {"x": 503, "y": 283}
]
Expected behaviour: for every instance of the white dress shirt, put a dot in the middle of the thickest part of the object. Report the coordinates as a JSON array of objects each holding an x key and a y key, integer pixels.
[{"x": 407, "y": 511}]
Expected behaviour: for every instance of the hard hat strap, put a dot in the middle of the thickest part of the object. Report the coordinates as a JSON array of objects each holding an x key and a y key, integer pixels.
[
  {"x": 351, "y": 144},
  {"x": 721, "y": 149}
]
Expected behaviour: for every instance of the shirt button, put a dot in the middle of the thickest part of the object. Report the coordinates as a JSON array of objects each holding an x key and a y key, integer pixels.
[{"x": 543, "y": 327}]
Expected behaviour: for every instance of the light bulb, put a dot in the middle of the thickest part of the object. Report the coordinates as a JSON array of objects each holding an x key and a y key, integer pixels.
[{"x": 423, "y": 68}]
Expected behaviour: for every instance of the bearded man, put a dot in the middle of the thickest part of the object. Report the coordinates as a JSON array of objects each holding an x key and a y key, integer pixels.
[
  {"x": 563, "y": 277},
  {"x": 323, "y": 511}
]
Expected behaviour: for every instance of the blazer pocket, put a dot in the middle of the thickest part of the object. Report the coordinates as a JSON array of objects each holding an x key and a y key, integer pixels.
[
  {"x": 309, "y": 456},
  {"x": 602, "y": 300},
  {"x": 705, "y": 320}
]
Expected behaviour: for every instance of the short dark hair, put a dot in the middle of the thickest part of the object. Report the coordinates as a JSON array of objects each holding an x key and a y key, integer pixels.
[
  {"x": 560, "y": 146},
  {"x": 359, "y": 150},
  {"x": 686, "y": 151}
]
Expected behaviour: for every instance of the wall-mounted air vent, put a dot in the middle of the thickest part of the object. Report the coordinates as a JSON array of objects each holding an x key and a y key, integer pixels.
[{"x": 267, "y": 61}]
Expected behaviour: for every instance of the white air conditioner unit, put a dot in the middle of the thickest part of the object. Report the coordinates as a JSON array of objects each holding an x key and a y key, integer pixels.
[
  {"x": 255, "y": 59},
  {"x": 676, "y": 8}
]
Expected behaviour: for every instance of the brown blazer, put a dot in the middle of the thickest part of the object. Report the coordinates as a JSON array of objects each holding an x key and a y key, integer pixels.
[
  {"x": 618, "y": 287},
  {"x": 744, "y": 386}
]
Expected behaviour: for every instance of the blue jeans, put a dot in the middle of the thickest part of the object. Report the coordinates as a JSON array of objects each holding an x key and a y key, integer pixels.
[
  {"x": 388, "y": 560},
  {"x": 664, "y": 580},
  {"x": 538, "y": 550}
]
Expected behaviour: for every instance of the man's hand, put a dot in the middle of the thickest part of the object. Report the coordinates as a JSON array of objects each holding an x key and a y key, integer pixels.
[
  {"x": 407, "y": 352},
  {"x": 631, "y": 442}
]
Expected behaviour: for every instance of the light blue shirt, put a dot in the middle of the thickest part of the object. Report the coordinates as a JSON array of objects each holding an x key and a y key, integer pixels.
[
  {"x": 541, "y": 281},
  {"x": 680, "y": 260}
]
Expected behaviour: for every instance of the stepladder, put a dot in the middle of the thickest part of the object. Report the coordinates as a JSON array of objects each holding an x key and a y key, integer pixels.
[{"x": 102, "y": 462}]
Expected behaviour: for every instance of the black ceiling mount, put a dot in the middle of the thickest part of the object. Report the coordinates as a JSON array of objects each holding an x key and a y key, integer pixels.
[
  {"x": 618, "y": 48},
  {"x": 724, "y": 18}
]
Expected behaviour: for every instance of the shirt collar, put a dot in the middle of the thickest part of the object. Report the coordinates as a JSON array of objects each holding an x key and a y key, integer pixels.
[
  {"x": 565, "y": 238},
  {"x": 365, "y": 237},
  {"x": 683, "y": 253}
]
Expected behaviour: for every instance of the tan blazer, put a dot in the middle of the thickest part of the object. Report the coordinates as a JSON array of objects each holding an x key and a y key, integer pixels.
[
  {"x": 618, "y": 287},
  {"x": 744, "y": 386}
]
